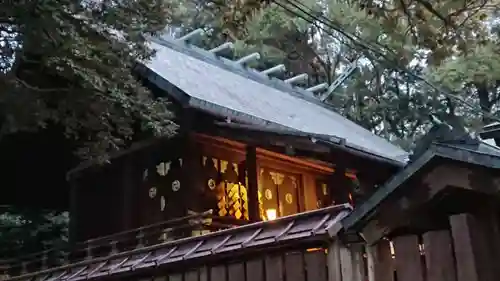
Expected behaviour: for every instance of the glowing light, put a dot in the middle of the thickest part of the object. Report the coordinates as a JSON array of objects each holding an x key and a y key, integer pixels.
[{"x": 271, "y": 214}]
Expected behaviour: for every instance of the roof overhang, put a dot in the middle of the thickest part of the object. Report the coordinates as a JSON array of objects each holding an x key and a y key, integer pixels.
[
  {"x": 315, "y": 141},
  {"x": 402, "y": 184},
  {"x": 491, "y": 131}
]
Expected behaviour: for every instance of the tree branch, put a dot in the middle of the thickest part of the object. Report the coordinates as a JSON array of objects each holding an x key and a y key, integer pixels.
[
  {"x": 43, "y": 90},
  {"x": 427, "y": 5}
]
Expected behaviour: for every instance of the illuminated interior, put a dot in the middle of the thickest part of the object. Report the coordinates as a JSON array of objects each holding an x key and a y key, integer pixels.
[
  {"x": 231, "y": 193},
  {"x": 278, "y": 194},
  {"x": 271, "y": 214}
]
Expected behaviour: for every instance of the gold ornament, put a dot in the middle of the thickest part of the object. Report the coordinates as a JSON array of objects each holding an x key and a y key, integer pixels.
[
  {"x": 268, "y": 194},
  {"x": 211, "y": 184}
]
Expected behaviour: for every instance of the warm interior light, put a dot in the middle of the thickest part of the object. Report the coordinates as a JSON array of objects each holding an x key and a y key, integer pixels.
[
  {"x": 391, "y": 247},
  {"x": 271, "y": 214}
]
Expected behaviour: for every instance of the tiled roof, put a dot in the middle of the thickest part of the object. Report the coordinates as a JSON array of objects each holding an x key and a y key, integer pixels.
[
  {"x": 222, "y": 87},
  {"x": 304, "y": 227}
]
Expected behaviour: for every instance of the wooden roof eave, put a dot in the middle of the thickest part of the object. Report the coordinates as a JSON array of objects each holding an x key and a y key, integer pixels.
[{"x": 314, "y": 142}]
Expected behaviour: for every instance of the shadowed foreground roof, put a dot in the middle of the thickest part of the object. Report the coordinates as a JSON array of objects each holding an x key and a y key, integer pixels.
[
  {"x": 314, "y": 226},
  {"x": 480, "y": 154},
  {"x": 207, "y": 82}
]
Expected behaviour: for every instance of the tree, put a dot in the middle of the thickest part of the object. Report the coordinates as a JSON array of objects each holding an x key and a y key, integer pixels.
[{"x": 70, "y": 63}]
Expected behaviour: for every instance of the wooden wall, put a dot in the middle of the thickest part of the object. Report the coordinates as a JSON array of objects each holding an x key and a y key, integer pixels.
[
  {"x": 119, "y": 196},
  {"x": 138, "y": 189}
]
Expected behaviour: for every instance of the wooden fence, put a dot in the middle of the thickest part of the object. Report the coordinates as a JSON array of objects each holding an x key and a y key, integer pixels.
[
  {"x": 290, "y": 265},
  {"x": 466, "y": 251},
  {"x": 453, "y": 254}
]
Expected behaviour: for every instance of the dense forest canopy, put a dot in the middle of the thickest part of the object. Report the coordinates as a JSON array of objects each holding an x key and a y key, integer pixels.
[{"x": 69, "y": 62}]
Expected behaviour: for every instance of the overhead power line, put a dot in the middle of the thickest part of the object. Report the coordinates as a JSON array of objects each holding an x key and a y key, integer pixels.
[{"x": 312, "y": 16}]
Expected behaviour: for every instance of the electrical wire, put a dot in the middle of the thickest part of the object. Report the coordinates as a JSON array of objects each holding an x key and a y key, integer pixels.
[{"x": 359, "y": 42}]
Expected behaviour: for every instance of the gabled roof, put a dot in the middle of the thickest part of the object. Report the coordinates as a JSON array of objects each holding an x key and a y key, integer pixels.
[
  {"x": 221, "y": 87},
  {"x": 301, "y": 229}
]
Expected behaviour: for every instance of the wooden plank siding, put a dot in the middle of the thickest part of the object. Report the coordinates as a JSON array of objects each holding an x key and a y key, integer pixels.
[
  {"x": 305, "y": 265},
  {"x": 408, "y": 259},
  {"x": 440, "y": 263}
]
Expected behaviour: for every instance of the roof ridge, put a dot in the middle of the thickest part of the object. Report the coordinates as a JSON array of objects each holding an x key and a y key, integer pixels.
[{"x": 246, "y": 72}]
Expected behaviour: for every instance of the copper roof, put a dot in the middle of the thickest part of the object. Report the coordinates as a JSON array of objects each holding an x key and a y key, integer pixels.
[{"x": 304, "y": 227}]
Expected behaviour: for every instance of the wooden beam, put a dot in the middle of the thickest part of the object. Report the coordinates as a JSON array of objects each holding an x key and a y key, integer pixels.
[{"x": 253, "y": 186}]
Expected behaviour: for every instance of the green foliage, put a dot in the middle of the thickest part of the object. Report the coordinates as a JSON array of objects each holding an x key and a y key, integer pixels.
[
  {"x": 479, "y": 66},
  {"x": 70, "y": 62},
  {"x": 25, "y": 232}
]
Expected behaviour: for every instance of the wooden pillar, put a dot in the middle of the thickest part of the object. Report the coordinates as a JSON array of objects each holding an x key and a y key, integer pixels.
[
  {"x": 129, "y": 197},
  {"x": 253, "y": 185},
  {"x": 186, "y": 153},
  {"x": 339, "y": 185},
  {"x": 73, "y": 211}
]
